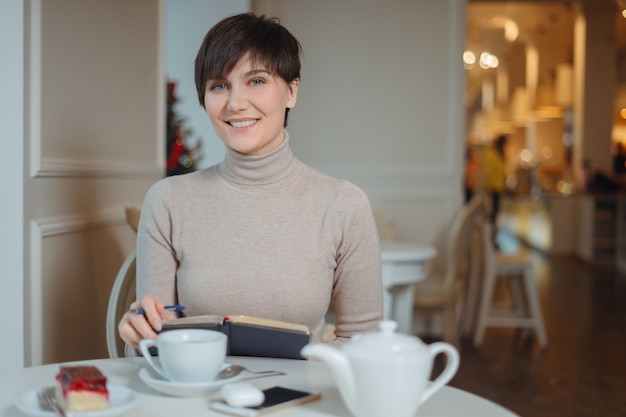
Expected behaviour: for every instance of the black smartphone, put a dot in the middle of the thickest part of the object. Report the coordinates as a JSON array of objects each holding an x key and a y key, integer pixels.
[{"x": 276, "y": 398}]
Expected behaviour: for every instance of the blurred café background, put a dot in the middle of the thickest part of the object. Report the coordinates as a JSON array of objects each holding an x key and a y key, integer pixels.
[{"x": 551, "y": 77}]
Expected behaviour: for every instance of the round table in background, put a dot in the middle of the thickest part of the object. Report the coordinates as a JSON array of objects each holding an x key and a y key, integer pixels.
[{"x": 403, "y": 265}]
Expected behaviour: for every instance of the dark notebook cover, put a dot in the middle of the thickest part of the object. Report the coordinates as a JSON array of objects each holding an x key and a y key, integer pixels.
[{"x": 250, "y": 336}]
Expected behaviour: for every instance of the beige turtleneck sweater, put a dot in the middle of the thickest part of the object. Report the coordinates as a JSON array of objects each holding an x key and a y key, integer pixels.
[{"x": 266, "y": 236}]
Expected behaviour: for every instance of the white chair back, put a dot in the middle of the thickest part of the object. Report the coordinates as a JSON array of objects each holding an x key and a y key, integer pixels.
[
  {"x": 123, "y": 293},
  {"x": 458, "y": 242}
]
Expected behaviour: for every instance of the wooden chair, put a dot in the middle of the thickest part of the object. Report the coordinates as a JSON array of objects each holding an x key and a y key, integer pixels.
[
  {"x": 445, "y": 293},
  {"x": 132, "y": 217},
  {"x": 515, "y": 270},
  {"x": 385, "y": 230}
]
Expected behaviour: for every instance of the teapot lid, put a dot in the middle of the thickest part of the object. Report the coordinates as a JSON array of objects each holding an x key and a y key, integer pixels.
[{"x": 385, "y": 341}]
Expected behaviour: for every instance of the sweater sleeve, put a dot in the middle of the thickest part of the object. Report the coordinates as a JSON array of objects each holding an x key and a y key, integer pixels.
[
  {"x": 357, "y": 290},
  {"x": 156, "y": 258}
]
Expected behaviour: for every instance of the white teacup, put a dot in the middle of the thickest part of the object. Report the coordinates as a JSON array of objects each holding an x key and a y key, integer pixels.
[{"x": 187, "y": 355}]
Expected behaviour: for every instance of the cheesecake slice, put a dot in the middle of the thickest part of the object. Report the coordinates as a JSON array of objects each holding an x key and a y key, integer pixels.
[{"x": 81, "y": 389}]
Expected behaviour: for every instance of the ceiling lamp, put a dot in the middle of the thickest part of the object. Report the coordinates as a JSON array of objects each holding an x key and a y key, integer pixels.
[
  {"x": 488, "y": 60},
  {"x": 511, "y": 30},
  {"x": 469, "y": 59}
]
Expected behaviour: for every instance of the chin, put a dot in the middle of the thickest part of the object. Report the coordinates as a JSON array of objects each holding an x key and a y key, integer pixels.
[{"x": 244, "y": 149}]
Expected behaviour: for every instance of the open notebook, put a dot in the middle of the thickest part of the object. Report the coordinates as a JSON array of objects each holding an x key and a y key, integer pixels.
[{"x": 250, "y": 336}]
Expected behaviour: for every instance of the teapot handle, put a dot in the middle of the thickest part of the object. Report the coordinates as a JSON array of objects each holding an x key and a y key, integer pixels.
[{"x": 444, "y": 377}]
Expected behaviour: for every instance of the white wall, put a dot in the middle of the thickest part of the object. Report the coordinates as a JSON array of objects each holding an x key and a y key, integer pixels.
[
  {"x": 186, "y": 23},
  {"x": 11, "y": 168},
  {"x": 381, "y": 102}
]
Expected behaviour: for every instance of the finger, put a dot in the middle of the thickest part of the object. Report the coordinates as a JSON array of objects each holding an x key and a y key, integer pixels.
[
  {"x": 128, "y": 334},
  {"x": 127, "y": 330},
  {"x": 153, "y": 311},
  {"x": 134, "y": 306},
  {"x": 140, "y": 324}
]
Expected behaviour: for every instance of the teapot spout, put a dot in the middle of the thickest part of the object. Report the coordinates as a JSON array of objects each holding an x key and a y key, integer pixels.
[{"x": 340, "y": 368}]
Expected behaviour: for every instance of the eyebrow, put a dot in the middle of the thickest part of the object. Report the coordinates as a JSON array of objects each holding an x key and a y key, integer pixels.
[
  {"x": 257, "y": 71},
  {"x": 250, "y": 73}
]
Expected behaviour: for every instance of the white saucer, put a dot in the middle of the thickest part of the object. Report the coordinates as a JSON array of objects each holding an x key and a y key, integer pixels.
[
  {"x": 179, "y": 389},
  {"x": 121, "y": 400}
]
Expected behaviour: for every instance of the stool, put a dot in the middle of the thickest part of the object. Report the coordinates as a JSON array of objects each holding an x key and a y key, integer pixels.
[{"x": 524, "y": 310}]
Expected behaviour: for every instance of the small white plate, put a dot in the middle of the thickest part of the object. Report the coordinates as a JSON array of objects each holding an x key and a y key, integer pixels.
[
  {"x": 121, "y": 400},
  {"x": 179, "y": 389}
]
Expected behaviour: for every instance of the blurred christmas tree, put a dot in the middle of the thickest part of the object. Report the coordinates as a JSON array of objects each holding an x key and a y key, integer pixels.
[{"x": 181, "y": 155}]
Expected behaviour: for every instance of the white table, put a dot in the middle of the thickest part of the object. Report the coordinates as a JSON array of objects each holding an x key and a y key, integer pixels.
[
  {"x": 306, "y": 375},
  {"x": 403, "y": 265}
]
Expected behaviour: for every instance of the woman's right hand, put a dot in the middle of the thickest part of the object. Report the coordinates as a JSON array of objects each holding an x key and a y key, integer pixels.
[{"x": 134, "y": 327}]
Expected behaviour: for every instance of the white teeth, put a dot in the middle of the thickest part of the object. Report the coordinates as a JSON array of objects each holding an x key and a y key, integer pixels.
[{"x": 243, "y": 124}]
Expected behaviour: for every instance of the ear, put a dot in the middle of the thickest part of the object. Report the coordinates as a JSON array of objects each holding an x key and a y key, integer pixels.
[{"x": 292, "y": 93}]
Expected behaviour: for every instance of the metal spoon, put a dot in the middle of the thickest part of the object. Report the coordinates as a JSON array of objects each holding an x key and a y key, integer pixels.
[{"x": 234, "y": 370}]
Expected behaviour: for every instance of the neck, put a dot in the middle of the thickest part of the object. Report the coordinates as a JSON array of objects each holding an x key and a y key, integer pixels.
[{"x": 259, "y": 169}]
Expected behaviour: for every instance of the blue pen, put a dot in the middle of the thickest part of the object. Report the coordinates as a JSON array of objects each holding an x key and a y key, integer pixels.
[{"x": 140, "y": 310}]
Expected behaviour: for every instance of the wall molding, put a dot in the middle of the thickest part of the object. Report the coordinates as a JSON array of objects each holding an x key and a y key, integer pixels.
[
  {"x": 41, "y": 166},
  {"x": 46, "y": 228},
  {"x": 54, "y": 226},
  {"x": 91, "y": 169}
]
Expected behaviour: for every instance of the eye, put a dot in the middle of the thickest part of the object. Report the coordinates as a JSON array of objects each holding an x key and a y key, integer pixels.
[
  {"x": 257, "y": 81},
  {"x": 218, "y": 87}
]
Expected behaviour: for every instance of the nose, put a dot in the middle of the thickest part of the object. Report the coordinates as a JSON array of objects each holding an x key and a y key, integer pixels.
[{"x": 237, "y": 99}]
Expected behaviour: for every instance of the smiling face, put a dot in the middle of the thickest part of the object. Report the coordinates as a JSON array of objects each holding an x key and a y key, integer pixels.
[{"x": 247, "y": 107}]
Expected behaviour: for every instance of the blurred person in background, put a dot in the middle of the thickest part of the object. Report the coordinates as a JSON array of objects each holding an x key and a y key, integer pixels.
[{"x": 494, "y": 174}]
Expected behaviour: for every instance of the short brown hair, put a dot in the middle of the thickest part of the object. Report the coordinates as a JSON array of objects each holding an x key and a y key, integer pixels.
[{"x": 267, "y": 42}]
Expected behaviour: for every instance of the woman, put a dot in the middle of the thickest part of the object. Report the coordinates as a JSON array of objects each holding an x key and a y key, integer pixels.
[{"x": 260, "y": 233}]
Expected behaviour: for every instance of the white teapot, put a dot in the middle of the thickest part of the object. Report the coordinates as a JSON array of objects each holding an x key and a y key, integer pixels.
[{"x": 385, "y": 373}]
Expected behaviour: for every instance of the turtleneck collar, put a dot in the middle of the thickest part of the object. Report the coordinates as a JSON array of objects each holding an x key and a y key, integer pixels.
[{"x": 258, "y": 169}]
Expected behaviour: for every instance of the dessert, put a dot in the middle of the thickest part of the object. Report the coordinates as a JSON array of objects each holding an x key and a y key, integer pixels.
[{"x": 81, "y": 389}]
